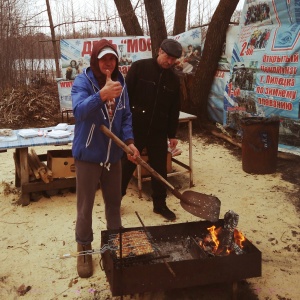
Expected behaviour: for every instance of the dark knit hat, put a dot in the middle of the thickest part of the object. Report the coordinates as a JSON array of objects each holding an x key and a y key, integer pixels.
[{"x": 171, "y": 47}]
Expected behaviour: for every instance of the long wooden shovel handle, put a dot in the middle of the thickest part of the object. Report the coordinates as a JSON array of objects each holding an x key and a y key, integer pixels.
[
  {"x": 126, "y": 149},
  {"x": 200, "y": 205}
]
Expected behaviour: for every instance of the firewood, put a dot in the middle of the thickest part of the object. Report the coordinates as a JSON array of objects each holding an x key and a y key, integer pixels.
[
  {"x": 227, "y": 138},
  {"x": 33, "y": 167},
  {"x": 43, "y": 174},
  {"x": 35, "y": 158},
  {"x": 48, "y": 171},
  {"x": 23, "y": 105}
]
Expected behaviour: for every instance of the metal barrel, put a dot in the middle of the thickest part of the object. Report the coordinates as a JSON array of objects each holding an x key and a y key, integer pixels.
[{"x": 260, "y": 144}]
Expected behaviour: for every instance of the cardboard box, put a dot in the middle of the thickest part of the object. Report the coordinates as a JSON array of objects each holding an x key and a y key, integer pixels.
[
  {"x": 145, "y": 173},
  {"x": 61, "y": 163}
]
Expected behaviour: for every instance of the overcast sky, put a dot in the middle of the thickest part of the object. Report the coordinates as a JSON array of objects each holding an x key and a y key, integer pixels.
[{"x": 90, "y": 9}]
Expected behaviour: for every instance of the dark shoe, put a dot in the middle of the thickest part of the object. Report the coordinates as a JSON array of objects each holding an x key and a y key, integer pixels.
[
  {"x": 165, "y": 212},
  {"x": 84, "y": 262}
]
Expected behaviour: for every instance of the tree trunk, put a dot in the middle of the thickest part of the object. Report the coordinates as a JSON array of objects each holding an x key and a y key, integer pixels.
[
  {"x": 128, "y": 17},
  {"x": 212, "y": 51},
  {"x": 53, "y": 40},
  {"x": 156, "y": 21},
  {"x": 180, "y": 16}
]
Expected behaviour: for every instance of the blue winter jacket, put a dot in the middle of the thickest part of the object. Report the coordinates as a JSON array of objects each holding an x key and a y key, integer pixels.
[{"x": 89, "y": 143}]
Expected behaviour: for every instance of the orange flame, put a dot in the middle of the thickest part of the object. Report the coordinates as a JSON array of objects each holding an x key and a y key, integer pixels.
[
  {"x": 213, "y": 239},
  {"x": 239, "y": 238},
  {"x": 214, "y": 235}
]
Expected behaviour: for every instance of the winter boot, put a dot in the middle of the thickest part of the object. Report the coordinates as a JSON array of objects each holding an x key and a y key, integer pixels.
[
  {"x": 84, "y": 262},
  {"x": 165, "y": 212}
]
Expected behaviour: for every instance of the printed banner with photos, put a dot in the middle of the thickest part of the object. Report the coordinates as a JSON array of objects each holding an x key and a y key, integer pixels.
[
  {"x": 265, "y": 77},
  {"x": 75, "y": 56}
]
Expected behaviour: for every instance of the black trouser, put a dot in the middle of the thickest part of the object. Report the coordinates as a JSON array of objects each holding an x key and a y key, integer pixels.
[{"x": 157, "y": 148}]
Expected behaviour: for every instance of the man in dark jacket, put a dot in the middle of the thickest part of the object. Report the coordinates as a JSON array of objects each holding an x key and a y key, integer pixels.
[{"x": 154, "y": 97}]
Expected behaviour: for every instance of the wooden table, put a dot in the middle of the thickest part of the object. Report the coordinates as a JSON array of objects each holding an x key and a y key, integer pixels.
[
  {"x": 183, "y": 118},
  {"x": 22, "y": 171},
  {"x": 21, "y": 162}
]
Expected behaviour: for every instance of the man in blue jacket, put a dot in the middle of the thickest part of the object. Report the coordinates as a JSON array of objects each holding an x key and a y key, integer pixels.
[{"x": 99, "y": 97}]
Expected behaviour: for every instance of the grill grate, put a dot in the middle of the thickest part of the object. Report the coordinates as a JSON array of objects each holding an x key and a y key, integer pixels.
[{"x": 135, "y": 247}]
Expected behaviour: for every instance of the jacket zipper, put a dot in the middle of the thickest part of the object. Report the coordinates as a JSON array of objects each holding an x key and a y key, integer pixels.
[{"x": 106, "y": 164}]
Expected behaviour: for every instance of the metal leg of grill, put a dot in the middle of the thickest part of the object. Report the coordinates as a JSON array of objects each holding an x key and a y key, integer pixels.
[{"x": 234, "y": 290}]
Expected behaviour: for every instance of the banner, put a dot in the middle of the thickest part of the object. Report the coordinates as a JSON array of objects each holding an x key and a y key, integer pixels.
[
  {"x": 76, "y": 53},
  {"x": 216, "y": 96},
  {"x": 265, "y": 77}
]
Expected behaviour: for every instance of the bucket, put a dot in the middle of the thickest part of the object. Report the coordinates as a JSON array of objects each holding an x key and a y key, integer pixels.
[{"x": 260, "y": 144}]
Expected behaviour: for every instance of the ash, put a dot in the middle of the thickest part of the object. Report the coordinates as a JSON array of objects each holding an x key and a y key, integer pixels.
[{"x": 177, "y": 250}]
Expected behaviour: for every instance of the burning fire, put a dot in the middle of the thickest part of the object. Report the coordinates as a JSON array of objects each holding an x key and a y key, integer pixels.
[
  {"x": 239, "y": 238},
  {"x": 214, "y": 235},
  {"x": 217, "y": 241}
]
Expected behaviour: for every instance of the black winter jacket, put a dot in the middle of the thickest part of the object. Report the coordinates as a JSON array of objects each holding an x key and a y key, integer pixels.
[{"x": 154, "y": 96}]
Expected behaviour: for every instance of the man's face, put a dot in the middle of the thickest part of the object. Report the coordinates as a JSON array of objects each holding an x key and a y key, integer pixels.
[
  {"x": 164, "y": 60},
  {"x": 107, "y": 62}
]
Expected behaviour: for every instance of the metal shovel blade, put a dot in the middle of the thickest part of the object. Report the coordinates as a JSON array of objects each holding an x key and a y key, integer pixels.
[{"x": 201, "y": 205}]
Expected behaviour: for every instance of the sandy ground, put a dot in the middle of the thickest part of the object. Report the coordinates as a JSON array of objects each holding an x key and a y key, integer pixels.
[{"x": 33, "y": 236}]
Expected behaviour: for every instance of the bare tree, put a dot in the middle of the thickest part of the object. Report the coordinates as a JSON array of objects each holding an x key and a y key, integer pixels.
[
  {"x": 53, "y": 39},
  {"x": 180, "y": 16},
  {"x": 214, "y": 41},
  {"x": 9, "y": 23},
  {"x": 128, "y": 17},
  {"x": 156, "y": 20},
  {"x": 20, "y": 34}
]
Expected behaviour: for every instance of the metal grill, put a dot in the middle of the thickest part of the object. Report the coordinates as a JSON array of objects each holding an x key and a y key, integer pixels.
[{"x": 190, "y": 266}]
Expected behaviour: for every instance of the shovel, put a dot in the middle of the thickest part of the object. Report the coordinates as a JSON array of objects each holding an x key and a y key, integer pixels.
[{"x": 200, "y": 205}]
